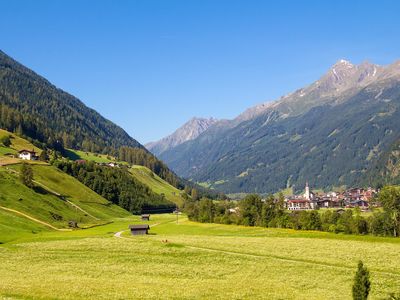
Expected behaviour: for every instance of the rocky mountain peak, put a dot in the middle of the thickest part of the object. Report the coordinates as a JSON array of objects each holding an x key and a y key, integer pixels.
[{"x": 189, "y": 131}]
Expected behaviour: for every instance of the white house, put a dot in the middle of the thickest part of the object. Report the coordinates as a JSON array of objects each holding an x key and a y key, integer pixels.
[{"x": 27, "y": 155}]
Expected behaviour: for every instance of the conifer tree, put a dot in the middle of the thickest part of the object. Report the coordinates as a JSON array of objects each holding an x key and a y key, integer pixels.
[
  {"x": 5, "y": 140},
  {"x": 362, "y": 284},
  {"x": 44, "y": 156},
  {"x": 195, "y": 194},
  {"x": 26, "y": 175}
]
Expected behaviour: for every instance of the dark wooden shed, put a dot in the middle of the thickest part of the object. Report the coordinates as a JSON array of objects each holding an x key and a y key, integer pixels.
[
  {"x": 140, "y": 229},
  {"x": 145, "y": 217}
]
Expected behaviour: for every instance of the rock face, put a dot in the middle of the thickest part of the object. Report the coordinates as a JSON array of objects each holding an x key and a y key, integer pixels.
[
  {"x": 189, "y": 131},
  {"x": 330, "y": 133}
]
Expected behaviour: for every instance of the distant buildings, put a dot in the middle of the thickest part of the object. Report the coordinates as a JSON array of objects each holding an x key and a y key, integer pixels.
[
  {"x": 145, "y": 217},
  {"x": 354, "y": 197}
]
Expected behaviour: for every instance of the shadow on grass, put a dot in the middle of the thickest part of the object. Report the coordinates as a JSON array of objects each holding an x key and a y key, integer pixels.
[
  {"x": 40, "y": 190},
  {"x": 71, "y": 155}
]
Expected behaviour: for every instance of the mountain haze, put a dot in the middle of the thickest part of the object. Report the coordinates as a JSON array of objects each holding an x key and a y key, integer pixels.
[
  {"x": 329, "y": 133},
  {"x": 189, "y": 131}
]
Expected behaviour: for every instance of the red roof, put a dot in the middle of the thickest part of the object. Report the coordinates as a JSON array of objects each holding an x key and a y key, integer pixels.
[{"x": 298, "y": 200}]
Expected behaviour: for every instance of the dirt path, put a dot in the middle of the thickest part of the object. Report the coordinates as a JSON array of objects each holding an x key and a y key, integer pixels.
[
  {"x": 266, "y": 256},
  {"x": 119, "y": 233},
  {"x": 291, "y": 260},
  {"x": 58, "y": 195},
  {"x": 32, "y": 218}
]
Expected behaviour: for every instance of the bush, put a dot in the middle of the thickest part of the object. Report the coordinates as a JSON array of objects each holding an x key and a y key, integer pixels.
[{"x": 5, "y": 140}]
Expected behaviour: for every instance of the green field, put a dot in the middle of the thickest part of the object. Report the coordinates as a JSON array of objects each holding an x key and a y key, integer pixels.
[
  {"x": 199, "y": 261},
  {"x": 156, "y": 184}
]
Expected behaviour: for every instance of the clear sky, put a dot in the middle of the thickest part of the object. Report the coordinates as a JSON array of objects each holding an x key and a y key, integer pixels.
[{"x": 149, "y": 66}]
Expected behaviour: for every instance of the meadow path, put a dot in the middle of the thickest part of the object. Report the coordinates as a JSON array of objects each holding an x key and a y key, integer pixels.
[
  {"x": 56, "y": 194},
  {"x": 32, "y": 218}
]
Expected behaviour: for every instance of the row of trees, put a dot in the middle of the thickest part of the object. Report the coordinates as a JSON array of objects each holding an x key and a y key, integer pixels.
[
  {"x": 252, "y": 211},
  {"x": 139, "y": 156},
  {"x": 116, "y": 185}
]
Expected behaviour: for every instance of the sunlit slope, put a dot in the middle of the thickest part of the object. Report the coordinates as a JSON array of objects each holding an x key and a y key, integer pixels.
[
  {"x": 156, "y": 184},
  {"x": 17, "y": 143},
  {"x": 56, "y": 198},
  {"x": 14, "y": 226}
]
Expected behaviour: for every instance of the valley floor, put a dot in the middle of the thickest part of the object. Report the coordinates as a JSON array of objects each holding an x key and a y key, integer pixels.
[{"x": 193, "y": 261}]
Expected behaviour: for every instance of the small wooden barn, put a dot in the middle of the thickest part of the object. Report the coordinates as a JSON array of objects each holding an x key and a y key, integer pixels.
[
  {"x": 140, "y": 229},
  {"x": 145, "y": 217}
]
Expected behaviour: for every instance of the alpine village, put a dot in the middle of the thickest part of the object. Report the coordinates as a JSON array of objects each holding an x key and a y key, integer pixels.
[{"x": 291, "y": 190}]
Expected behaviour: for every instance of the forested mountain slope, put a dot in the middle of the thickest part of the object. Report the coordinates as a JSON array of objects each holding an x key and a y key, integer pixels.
[
  {"x": 33, "y": 107},
  {"x": 329, "y": 133}
]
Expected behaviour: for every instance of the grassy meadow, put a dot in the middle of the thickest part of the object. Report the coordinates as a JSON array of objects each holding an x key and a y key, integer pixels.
[
  {"x": 199, "y": 261},
  {"x": 99, "y": 158},
  {"x": 156, "y": 184}
]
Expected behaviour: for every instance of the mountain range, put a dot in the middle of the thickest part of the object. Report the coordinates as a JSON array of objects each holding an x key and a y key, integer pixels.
[{"x": 333, "y": 132}]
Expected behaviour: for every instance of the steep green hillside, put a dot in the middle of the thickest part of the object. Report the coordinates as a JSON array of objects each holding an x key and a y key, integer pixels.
[
  {"x": 17, "y": 143},
  {"x": 89, "y": 156},
  {"x": 56, "y": 198},
  {"x": 43, "y": 204},
  {"x": 156, "y": 184}
]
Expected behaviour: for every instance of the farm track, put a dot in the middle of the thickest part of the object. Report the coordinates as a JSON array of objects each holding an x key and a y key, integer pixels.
[
  {"x": 266, "y": 256},
  {"x": 57, "y": 195},
  {"x": 291, "y": 260},
  {"x": 32, "y": 218},
  {"x": 119, "y": 233}
]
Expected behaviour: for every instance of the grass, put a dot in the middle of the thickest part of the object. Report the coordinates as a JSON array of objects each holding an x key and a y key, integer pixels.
[
  {"x": 199, "y": 261},
  {"x": 18, "y": 143},
  {"x": 99, "y": 158},
  {"x": 156, "y": 184},
  {"x": 44, "y": 203}
]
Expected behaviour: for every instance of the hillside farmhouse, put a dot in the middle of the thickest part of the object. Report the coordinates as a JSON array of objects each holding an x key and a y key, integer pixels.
[{"x": 27, "y": 155}]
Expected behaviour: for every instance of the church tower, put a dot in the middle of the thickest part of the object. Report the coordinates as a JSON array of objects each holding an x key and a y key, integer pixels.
[{"x": 307, "y": 192}]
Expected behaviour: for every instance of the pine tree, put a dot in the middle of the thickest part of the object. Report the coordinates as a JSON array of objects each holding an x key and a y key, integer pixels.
[
  {"x": 5, "y": 140},
  {"x": 362, "y": 284},
  {"x": 26, "y": 175},
  {"x": 44, "y": 156},
  {"x": 195, "y": 194}
]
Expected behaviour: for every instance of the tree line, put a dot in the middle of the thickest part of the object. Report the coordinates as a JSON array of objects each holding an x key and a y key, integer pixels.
[
  {"x": 116, "y": 185},
  {"x": 253, "y": 211}
]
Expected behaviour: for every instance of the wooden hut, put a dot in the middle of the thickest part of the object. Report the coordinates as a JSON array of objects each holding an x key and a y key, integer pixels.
[
  {"x": 140, "y": 229},
  {"x": 145, "y": 217}
]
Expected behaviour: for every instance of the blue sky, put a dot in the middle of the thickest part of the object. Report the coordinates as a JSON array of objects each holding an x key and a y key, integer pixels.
[{"x": 149, "y": 66}]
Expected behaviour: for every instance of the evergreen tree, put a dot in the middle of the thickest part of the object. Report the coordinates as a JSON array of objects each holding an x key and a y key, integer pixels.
[
  {"x": 5, "y": 140},
  {"x": 195, "y": 194},
  {"x": 44, "y": 156},
  {"x": 362, "y": 284},
  {"x": 389, "y": 197},
  {"x": 26, "y": 175}
]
